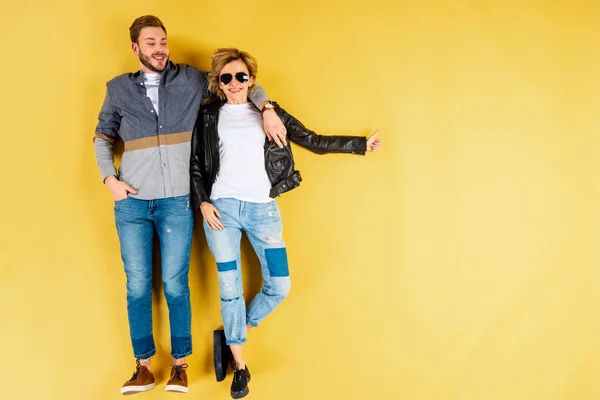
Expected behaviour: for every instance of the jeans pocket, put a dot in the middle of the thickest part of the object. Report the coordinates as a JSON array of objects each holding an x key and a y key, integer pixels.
[{"x": 122, "y": 206}]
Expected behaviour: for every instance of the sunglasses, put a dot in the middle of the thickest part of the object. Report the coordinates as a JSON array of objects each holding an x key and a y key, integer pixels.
[{"x": 241, "y": 77}]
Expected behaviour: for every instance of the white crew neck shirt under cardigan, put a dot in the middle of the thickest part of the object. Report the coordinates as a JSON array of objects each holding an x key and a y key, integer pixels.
[{"x": 242, "y": 174}]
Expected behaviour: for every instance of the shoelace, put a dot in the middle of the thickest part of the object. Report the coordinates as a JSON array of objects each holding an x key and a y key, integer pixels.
[
  {"x": 137, "y": 370},
  {"x": 179, "y": 369},
  {"x": 239, "y": 374}
]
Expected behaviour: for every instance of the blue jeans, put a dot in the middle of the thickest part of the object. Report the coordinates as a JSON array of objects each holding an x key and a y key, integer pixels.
[
  {"x": 263, "y": 226},
  {"x": 173, "y": 220}
]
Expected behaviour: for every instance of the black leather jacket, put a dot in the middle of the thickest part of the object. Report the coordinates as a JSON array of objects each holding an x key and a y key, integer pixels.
[{"x": 279, "y": 162}]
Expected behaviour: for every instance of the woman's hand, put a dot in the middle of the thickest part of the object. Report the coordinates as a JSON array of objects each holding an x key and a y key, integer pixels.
[
  {"x": 373, "y": 142},
  {"x": 211, "y": 215}
]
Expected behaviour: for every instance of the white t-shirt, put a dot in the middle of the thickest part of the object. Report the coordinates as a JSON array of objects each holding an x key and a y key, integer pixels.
[
  {"x": 151, "y": 82},
  {"x": 242, "y": 174}
]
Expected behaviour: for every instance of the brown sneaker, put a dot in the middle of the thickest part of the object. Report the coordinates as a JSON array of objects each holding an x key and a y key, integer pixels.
[
  {"x": 141, "y": 381},
  {"x": 178, "y": 381}
]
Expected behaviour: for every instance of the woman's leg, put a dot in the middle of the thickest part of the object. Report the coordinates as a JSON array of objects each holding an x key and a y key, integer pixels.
[
  {"x": 262, "y": 223},
  {"x": 225, "y": 247}
]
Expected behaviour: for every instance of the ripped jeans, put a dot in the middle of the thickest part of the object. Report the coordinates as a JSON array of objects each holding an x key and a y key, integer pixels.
[{"x": 263, "y": 226}]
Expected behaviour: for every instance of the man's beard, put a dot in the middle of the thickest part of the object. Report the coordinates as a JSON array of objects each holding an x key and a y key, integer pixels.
[{"x": 147, "y": 62}]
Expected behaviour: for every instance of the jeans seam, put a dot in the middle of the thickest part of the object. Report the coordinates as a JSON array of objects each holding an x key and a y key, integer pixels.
[
  {"x": 181, "y": 355},
  {"x": 258, "y": 306},
  {"x": 229, "y": 342},
  {"x": 148, "y": 354}
]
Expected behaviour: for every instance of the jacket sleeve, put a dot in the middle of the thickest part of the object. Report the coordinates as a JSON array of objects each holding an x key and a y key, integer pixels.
[
  {"x": 321, "y": 144},
  {"x": 197, "y": 191}
]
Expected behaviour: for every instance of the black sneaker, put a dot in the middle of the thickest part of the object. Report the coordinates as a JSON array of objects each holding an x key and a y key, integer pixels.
[
  {"x": 221, "y": 354},
  {"x": 239, "y": 386}
]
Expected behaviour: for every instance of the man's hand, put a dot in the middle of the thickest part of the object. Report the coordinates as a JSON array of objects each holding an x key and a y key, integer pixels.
[
  {"x": 274, "y": 128},
  {"x": 119, "y": 190},
  {"x": 373, "y": 142},
  {"x": 211, "y": 215}
]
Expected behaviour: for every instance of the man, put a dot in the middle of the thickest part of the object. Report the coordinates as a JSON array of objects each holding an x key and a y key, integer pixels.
[{"x": 154, "y": 111}]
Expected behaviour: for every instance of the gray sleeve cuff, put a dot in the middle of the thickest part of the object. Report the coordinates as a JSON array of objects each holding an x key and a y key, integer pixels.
[
  {"x": 258, "y": 95},
  {"x": 107, "y": 171},
  {"x": 105, "y": 157}
]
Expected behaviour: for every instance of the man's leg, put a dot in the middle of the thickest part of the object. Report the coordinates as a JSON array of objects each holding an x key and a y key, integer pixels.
[
  {"x": 135, "y": 230},
  {"x": 174, "y": 223}
]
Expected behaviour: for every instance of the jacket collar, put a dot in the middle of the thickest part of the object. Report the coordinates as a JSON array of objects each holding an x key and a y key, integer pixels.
[{"x": 213, "y": 108}]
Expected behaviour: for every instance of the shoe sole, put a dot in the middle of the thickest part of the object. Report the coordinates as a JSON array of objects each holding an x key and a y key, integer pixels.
[
  {"x": 126, "y": 390},
  {"x": 240, "y": 394},
  {"x": 220, "y": 364},
  {"x": 176, "y": 388}
]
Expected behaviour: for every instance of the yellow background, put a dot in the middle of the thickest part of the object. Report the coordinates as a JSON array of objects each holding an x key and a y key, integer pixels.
[{"x": 460, "y": 263}]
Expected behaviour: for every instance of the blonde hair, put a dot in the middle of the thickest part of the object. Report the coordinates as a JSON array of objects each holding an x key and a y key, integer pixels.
[{"x": 220, "y": 59}]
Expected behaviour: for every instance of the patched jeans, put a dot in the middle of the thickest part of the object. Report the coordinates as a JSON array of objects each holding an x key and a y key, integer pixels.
[{"x": 263, "y": 226}]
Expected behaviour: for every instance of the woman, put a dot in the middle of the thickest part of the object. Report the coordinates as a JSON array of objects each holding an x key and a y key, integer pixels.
[{"x": 235, "y": 175}]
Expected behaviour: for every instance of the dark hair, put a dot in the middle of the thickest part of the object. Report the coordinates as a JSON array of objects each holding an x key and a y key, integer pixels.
[{"x": 143, "y": 22}]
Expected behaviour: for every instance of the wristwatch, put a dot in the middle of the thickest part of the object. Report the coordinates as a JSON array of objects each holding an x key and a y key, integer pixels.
[{"x": 268, "y": 106}]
